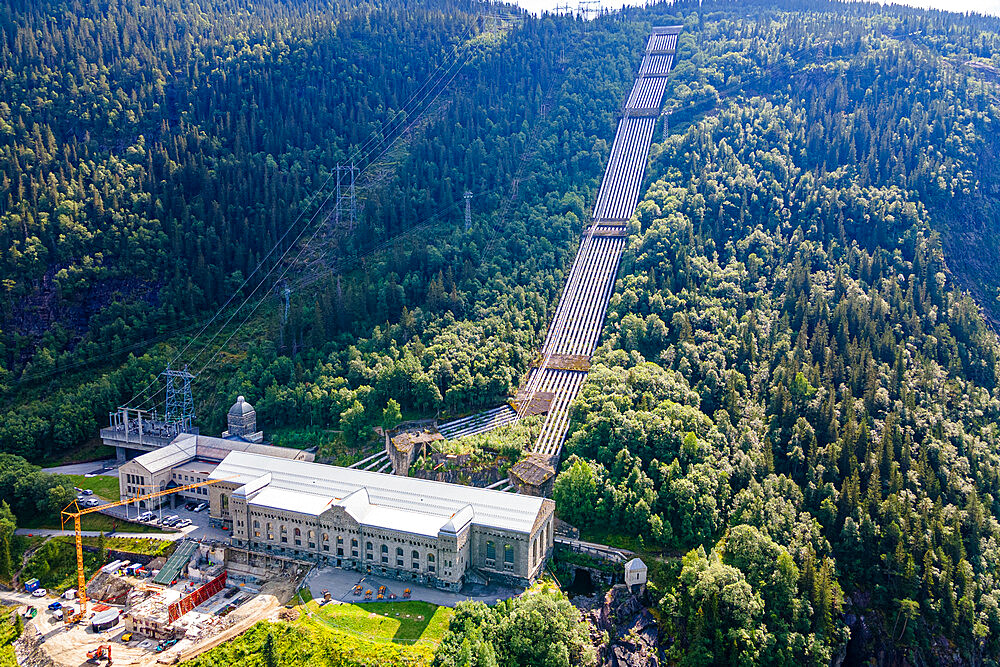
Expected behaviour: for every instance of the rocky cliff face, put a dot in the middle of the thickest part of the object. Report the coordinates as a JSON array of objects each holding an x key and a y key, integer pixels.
[{"x": 624, "y": 631}]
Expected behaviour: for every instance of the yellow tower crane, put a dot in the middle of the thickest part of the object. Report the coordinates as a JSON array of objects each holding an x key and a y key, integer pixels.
[{"x": 74, "y": 512}]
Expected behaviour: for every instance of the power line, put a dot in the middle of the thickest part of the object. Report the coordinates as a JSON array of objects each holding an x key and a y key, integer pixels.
[{"x": 422, "y": 93}]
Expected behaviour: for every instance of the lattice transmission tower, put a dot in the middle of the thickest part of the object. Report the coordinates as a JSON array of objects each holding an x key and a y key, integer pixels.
[
  {"x": 588, "y": 9},
  {"x": 178, "y": 407},
  {"x": 468, "y": 210},
  {"x": 347, "y": 199}
]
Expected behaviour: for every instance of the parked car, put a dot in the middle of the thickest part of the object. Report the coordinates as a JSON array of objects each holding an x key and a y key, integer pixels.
[
  {"x": 145, "y": 643},
  {"x": 201, "y": 507},
  {"x": 57, "y": 615},
  {"x": 183, "y": 523},
  {"x": 87, "y": 492},
  {"x": 39, "y": 593},
  {"x": 78, "y": 489},
  {"x": 146, "y": 516},
  {"x": 93, "y": 502},
  {"x": 55, "y": 605},
  {"x": 170, "y": 520},
  {"x": 28, "y": 612},
  {"x": 127, "y": 637}
]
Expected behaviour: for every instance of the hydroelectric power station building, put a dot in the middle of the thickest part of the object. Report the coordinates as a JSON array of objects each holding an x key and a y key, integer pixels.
[
  {"x": 411, "y": 529},
  {"x": 277, "y": 501}
]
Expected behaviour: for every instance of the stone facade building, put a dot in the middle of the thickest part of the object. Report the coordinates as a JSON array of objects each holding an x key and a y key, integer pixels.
[{"x": 411, "y": 529}]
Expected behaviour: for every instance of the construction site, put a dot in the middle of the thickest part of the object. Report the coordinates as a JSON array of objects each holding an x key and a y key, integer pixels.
[{"x": 137, "y": 620}]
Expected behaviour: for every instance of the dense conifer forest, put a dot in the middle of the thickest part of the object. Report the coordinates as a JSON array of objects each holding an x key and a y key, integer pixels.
[{"x": 795, "y": 407}]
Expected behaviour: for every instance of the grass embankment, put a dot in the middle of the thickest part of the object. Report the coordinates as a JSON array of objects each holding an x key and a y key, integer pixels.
[
  {"x": 96, "y": 521},
  {"x": 408, "y": 622},
  {"x": 11, "y": 626},
  {"x": 308, "y": 643},
  {"x": 136, "y": 545},
  {"x": 376, "y": 634},
  {"x": 54, "y": 563},
  {"x": 103, "y": 485}
]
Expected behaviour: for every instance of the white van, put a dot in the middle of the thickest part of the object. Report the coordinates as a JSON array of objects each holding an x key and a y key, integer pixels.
[{"x": 70, "y": 594}]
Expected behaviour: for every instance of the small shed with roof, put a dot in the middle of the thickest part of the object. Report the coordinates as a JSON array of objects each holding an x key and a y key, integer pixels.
[{"x": 635, "y": 573}]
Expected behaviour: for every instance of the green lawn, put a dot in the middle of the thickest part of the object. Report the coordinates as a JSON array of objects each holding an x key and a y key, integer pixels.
[
  {"x": 136, "y": 545},
  {"x": 311, "y": 643},
  {"x": 104, "y": 486},
  {"x": 408, "y": 622}
]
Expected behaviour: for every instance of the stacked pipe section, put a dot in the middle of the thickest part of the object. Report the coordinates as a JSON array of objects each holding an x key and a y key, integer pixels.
[
  {"x": 554, "y": 381},
  {"x": 576, "y": 328}
]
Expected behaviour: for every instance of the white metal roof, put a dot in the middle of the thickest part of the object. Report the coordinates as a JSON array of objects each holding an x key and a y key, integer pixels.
[
  {"x": 188, "y": 446},
  {"x": 494, "y": 509},
  {"x": 417, "y": 523},
  {"x": 181, "y": 450},
  {"x": 289, "y": 501}
]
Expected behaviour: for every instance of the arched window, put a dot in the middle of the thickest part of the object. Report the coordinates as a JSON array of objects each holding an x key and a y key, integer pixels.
[
  {"x": 354, "y": 542},
  {"x": 385, "y": 549},
  {"x": 491, "y": 550},
  {"x": 416, "y": 555},
  {"x": 340, "y": 539},
  {"x": 508, "y": 553},
  {"x": 256, "y": 524},
  {"x": 430, "y": 558},
  {"x": 368, "y": 546}
]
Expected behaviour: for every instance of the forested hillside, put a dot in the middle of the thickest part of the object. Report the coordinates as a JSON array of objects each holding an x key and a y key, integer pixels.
[
  {"x": 794, "y": 388},
  {"x": 796, "y": 403},
  {"x": 147, "y": 204}
]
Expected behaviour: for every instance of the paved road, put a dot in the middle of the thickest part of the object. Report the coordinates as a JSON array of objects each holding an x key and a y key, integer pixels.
[
  {"x": 199, "y": 528},
  {"x": 108, "y": 468}
]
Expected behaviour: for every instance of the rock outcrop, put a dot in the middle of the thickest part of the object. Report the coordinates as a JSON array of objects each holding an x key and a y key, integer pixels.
[{"x": 624, "y": 631}]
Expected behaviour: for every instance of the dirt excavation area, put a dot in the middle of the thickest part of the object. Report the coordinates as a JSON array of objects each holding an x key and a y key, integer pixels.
[{"x": 231, "y": 611}]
